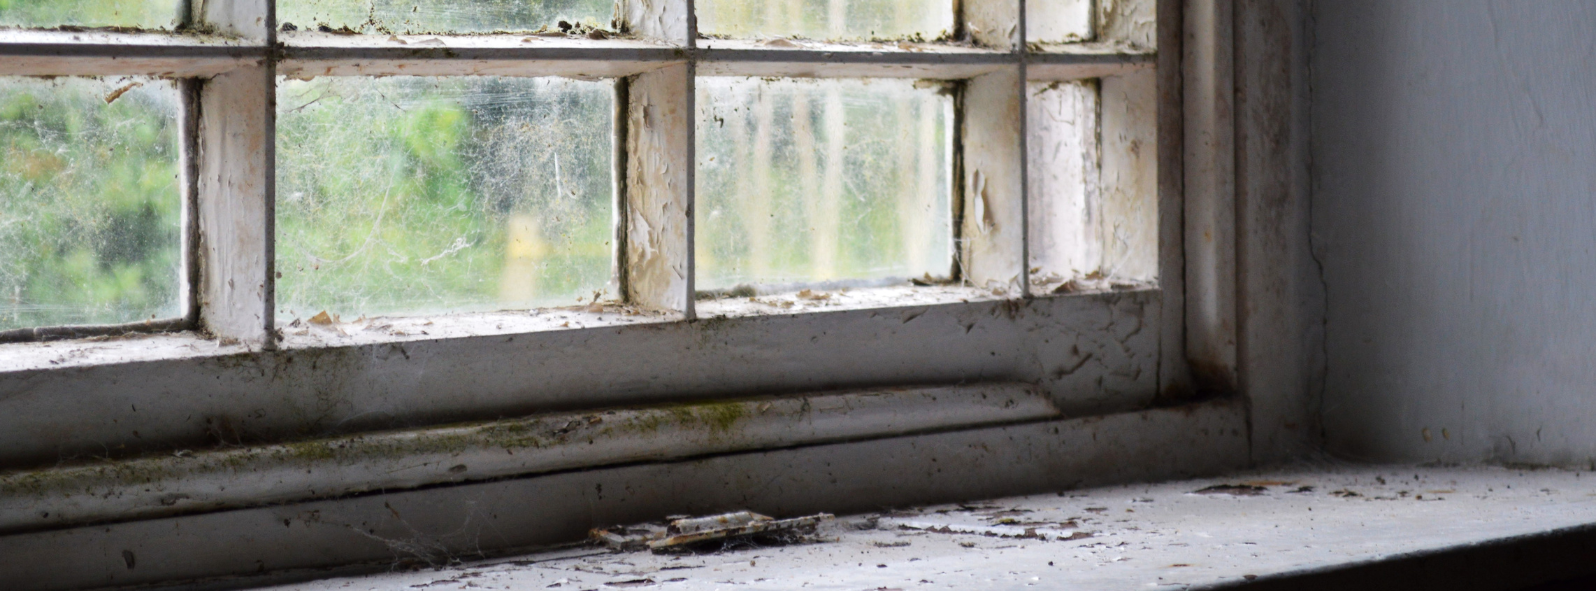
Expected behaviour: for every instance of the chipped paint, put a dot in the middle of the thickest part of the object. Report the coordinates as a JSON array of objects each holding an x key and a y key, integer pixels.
[
  {"x": 236, "y": 476},
  {"x": 657, "y": 19},
  {"x": 120, "y": 402},
  {"x": 1128, "y": 23},
  {"x": 992, "y": 236},
  {"x": 658, "y": 189},
  {"x": 991, "y": 23},
  {"x": 235, "y": 187},
  {"x": 442, "y": 525}
]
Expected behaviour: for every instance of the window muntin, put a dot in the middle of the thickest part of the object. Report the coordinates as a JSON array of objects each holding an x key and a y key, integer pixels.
[
  {"x": 821, "y": 183},
  {"x": 444, "y": 16},
  {"x": 827, "y": 19},
  {"x": 409, "y": 195},
  {"x": 138, "y": 14},
  {"x": 90, "y": 203}
]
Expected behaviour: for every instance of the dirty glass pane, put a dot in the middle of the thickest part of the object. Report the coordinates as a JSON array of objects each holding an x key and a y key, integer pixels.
[
  {"x": 1128, "y": 117},
  {"x": 142, "y": 14},
  {"x": 1058, "y": 21},
  {"x": 826, "y": 19},
  {"x": 90, "y": 205},
  {"x": 410, "y": 195},
  {"x": 804, "y": 182},
  {"x": 1066, "y": 224},
  {"x": 442, "y": 16},
  {"x": 1092, "y": 178}
]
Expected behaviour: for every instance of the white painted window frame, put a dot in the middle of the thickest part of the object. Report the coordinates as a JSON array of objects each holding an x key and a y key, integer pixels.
[
  {"x": 1112, "y": 366},
  {"x": 229, "y": 129},
  {"x": 1089, "y": 353}
]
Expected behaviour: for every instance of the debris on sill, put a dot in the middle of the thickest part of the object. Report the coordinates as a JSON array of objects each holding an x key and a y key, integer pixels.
[
  {"x": 690, "y": 533},
  {"x": 559, "y": 29},
  {"x": 812, "y": 295},
  {"x": 992, "y": 521},
  {"x": 928, "y": 280},
  {"x": 1235, "y": 490},
  {"x": 1062, "y": 531}
]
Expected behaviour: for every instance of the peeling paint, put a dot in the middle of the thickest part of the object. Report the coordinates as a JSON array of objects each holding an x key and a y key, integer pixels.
[
  {"x": 991, "y": 240},
  {"x": 234, "y": 476},
  {"x": 440, "y": 525},
  {"x": 658, "y": 183}
]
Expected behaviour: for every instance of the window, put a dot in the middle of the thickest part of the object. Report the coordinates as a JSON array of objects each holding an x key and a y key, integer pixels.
[
  {"x": 416, "y": 158},
  {"x": 364, "y": 216}
]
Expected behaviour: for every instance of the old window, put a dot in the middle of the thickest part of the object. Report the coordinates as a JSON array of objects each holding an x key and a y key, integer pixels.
[
  {"x": 348, "y": 216},
  {"x": 419, "y": 158}
]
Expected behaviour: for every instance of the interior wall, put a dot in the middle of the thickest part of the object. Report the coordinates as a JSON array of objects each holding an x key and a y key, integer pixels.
[{"x": 1454, "y": 191}]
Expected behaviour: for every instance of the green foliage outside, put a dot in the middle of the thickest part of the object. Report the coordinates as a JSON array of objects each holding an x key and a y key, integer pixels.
[
  {"x": 89, "y": 202},
  {"x": 409, "y": 195},
  {"x": 143, "y": 14}
]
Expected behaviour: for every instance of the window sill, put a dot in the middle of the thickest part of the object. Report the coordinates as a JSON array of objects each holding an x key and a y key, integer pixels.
[
  {"x": 301, "y": 335},
  {"x": 1311, "y": 527},
  {"x": 125, "y": 396},
  {"x": 812, "y": 301}
]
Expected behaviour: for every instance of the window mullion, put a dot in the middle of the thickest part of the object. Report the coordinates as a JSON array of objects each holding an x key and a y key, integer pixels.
[
  {"x": 992, "y": 237},
  {"x": 189, "y": 90},
  {"x": 657, "y": 216},
  {"x": 236, "y": 134}
]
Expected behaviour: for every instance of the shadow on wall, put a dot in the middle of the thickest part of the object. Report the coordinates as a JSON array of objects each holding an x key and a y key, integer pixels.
[{"x": 1453, "y": 213}]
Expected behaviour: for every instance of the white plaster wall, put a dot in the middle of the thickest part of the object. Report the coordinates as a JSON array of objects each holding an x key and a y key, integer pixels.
[{"x": 1454, "y": 204}]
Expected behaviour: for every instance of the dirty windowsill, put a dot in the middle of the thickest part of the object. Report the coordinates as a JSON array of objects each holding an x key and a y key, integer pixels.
[
  {"x": 303, "y": 334},
  {"x": 1260, "y": 526}
]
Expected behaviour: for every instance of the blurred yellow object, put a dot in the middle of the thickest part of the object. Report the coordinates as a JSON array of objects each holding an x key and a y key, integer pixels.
[{"x": 524, "y": 249}]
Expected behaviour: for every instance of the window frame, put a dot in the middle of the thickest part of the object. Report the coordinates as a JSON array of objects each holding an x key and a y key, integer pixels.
[
  {"x": 1129, "y": 371},
  {"x": 228, "y": 82},
  {"x": 227, "y": 76},
  {"x": 1112, "y": 364}
]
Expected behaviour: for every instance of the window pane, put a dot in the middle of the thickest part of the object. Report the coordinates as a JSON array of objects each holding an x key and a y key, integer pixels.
[
  {"x": 443, "y": 16},
  {"x": 1092, "y": 184},
  {"x": 143, "y": 14},
  {"x": 826, "y": 19},
  {"x": 410, "y": 195},
  {"x": 1058, "y": 21},
  {"x": 803, "y": 182},
  {"x": 90, "y": 205}
]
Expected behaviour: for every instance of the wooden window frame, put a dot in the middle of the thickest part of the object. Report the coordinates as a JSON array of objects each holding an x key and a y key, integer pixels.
[{"x": 228, "y": 369}]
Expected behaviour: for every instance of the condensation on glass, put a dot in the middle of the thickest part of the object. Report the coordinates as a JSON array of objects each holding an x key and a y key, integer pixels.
[
  {"x": 90, "y": 201},
  {"x": 820, "y": 183},
  {"x": 1093, "y": 211},
  {"x": 1058, "y": 21},
  {"x": 827, "y": 19},
  {"x": 412, "y": 195},
  {"x": 138, "y": 14},
  {"x": 444, "y": 16}
]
